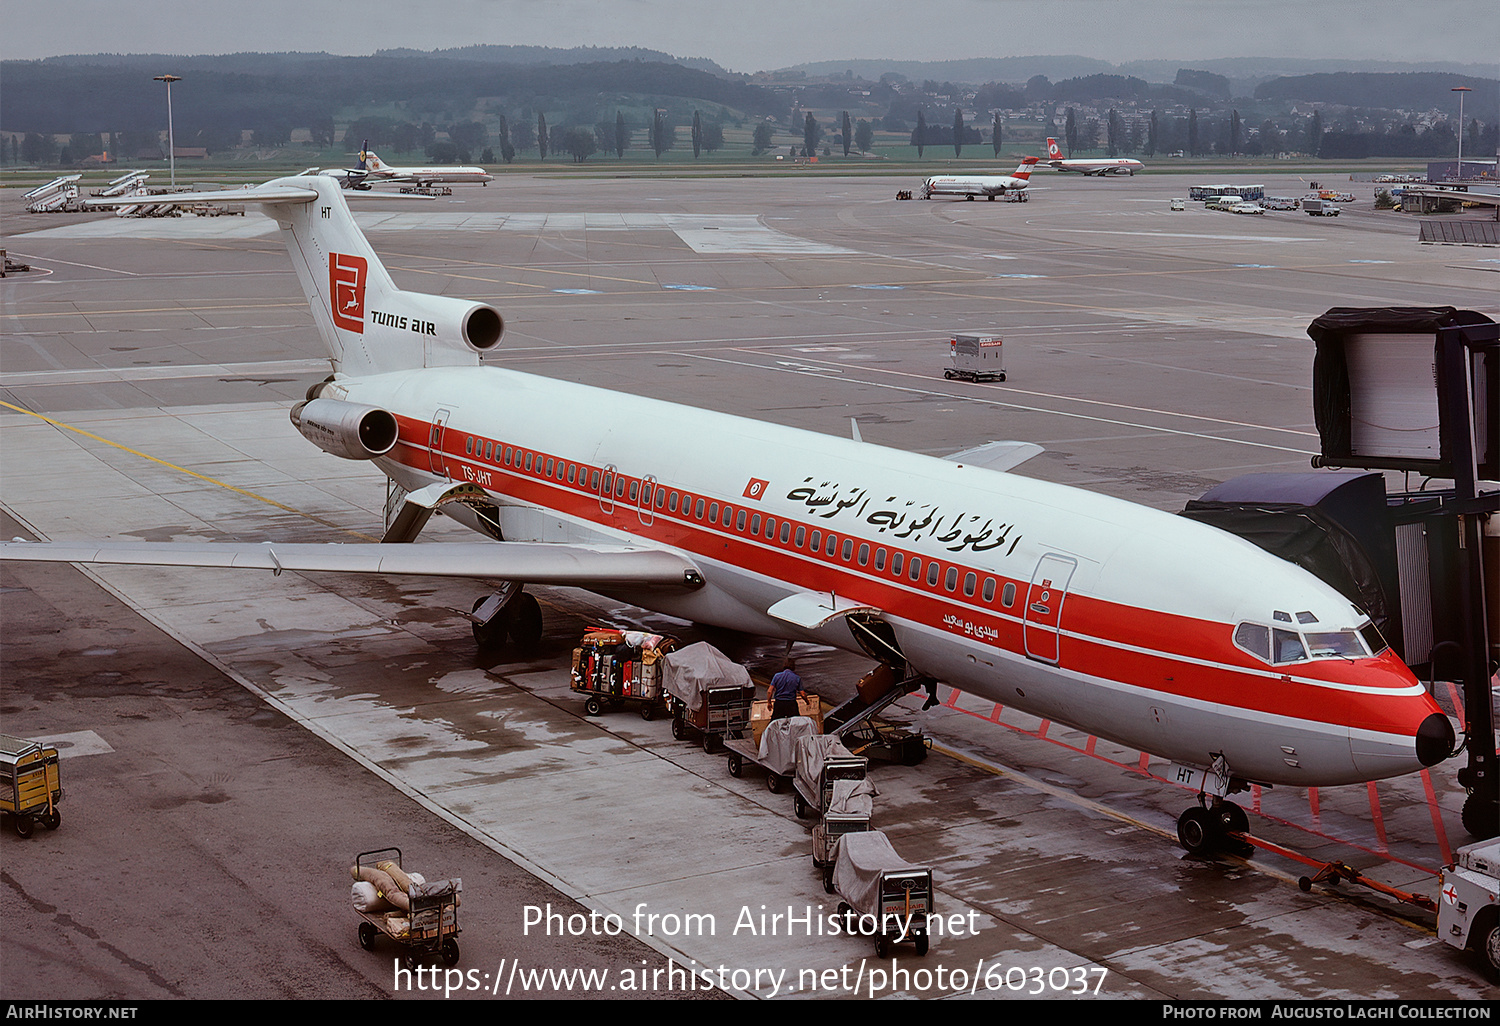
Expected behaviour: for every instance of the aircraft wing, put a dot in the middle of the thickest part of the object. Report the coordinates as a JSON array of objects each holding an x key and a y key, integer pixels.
[
  {"x": 534, "y": 563},
  {"x": 997, "y": 455},
  {"x": 259, "y": 194}
]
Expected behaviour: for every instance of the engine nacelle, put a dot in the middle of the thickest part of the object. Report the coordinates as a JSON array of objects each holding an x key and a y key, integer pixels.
[
  {"x": 438, "y": 321},
  {"x": 352, "y": 431}
]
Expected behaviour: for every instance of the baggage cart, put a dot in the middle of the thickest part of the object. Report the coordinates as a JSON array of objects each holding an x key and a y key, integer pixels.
[
  {"x": 613, "y": 668},
  {"x": 848, "y": 812},
  {"x": 882, "y": 894},
  {"x": 976, "y": 358},
  {"x": 776, "y": 752},
  {"x": 31, "y": 785},
  {"x": 709, "y": 694},
  {"x": 822, "y": 761},
  {"x": 428, "y": 924}
]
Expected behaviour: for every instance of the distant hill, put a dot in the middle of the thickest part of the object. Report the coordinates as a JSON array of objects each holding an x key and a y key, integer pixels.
[
  {"x": 1244, "y": 73},
  {"x": 249, "y": 91},
  {"x": 494, "y": 54}
]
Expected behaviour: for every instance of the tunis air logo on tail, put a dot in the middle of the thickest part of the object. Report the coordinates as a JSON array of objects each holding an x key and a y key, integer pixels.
[{"x": 346, "y": 283}]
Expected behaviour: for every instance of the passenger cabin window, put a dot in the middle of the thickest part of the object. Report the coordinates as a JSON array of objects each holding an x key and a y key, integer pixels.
[
  {"x": 1008, "y": 594},
  {"x": 989, "y": 589},
  {"x": 896, "y": 558}
]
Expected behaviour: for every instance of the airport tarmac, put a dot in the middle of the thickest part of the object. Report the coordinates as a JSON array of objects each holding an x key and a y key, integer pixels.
[{"x": 204, "y": 843}]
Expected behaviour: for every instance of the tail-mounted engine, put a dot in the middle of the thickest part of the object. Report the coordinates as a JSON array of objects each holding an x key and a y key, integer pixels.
[{"x": 353, "y": 431}]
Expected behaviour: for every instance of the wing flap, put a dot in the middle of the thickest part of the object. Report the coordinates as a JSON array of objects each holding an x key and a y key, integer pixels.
[{"x": 535, "y": 563}]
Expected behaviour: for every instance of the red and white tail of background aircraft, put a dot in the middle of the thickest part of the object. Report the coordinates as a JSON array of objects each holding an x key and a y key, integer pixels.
[
  {"x": 371, "y": 169},
  {"x": 1151, "y": 630},
  {"x": 988, "y": 186},
  {"x": 1101, "y": 167}
]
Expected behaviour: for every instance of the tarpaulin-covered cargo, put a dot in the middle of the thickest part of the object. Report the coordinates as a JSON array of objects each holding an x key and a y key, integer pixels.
[
  {"x": 778, "y": 744},
  {"x": 689, "y": 674}
]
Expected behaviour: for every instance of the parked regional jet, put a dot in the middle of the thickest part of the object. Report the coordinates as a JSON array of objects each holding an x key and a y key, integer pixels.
[
  {"x": 1105, "y": 166},
  {"x": 988, "y": 186},
  {"x": 1157, "y": 632},
  {"x": 371, "y": 169}
]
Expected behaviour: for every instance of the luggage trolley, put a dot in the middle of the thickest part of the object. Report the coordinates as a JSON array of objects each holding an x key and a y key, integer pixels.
[
  {"x": 613, "y": 667},
  {"x": 709, "y": 693},
  {"x": 822, "y": 761},
  {"x": 419, "y": 915},
  {"x": 848, "y": 812},
  {"x": 891, "y": 897},
  {"x": 31, "y": 786},
  {"x": 776, "y": 753}
]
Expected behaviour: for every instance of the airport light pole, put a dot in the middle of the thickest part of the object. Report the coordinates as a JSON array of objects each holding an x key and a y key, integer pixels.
[
  {"x": 172, "y": 144},
  {"x": 1460, "y": 90}
]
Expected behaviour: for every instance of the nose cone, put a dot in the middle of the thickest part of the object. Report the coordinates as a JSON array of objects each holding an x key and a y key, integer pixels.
[{"x": 1434, "y": 740}]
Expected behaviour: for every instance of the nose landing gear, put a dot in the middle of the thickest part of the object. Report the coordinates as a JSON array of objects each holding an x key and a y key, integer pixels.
[
  {"x": 1213, "y": 824},
  {"x": 1206, "y": 829}
]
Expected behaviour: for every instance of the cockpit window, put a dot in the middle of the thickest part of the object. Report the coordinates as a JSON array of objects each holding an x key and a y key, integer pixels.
[
  {"x": 1286, "y": 646},
  {"x": 1278, "y": 645},
  {"x": 1373, "y": 639},
  {"x": 1344, "y": 644},
  {"x": 1255, "y": 639}
]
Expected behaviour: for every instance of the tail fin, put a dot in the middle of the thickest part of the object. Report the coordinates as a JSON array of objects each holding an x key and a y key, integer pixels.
[
  {"x": 1023, "y": 170},
  {"x": 368, "y": 325},
  {"x": 370, "y": 161},
  {"x": 364, "y": 155},
  {"x": 1054, "y": 151}
]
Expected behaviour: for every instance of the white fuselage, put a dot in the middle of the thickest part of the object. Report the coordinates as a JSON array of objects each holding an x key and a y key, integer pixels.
[
  {"x": 1097, "y": 167},
  {"x": 1111, "y": 617},
  {"x": 972, "y": 185}
]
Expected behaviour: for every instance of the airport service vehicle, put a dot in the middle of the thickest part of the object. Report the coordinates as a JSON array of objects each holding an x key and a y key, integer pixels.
[
  {"x": 1469, "y": 904},
  {"x": 1179, "y": 204},
  {"x": 30, "y": 787},
  {"x": 429, "y": 926},
  {"x": 988, "y": 186},
  {"x": 1090, "y": 166},
  {"x": 1319, "y": 207},
  {"x": 1280, "y": 203},
  {"x": 976, "y": 358},
  {"x": 1148, "y": 629},
  {"x": 1247, "y": 208},
  {"x": 889, "y": 894},
  {"x": 848, "y": 812}
]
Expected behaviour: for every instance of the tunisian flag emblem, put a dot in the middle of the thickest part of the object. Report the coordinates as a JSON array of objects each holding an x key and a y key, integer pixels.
[{"x": 756, "y": 489}]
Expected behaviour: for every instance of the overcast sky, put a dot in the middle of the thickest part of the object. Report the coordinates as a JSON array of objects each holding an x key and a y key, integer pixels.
[{"x": 755, "y": 35}]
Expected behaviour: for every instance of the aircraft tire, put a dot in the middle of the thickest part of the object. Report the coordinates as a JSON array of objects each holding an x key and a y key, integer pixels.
[
  {"x": 1232, "y": 819},
  {"x": 1195, "y": 831},
  {"x": 526, "y": 622}
]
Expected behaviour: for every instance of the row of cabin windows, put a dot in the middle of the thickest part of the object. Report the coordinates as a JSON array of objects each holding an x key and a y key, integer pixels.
[{"x": 697, "y": 508}]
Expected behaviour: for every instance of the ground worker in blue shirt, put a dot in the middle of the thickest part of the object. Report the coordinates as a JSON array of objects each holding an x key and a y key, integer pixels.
[{"x": 785, "y": 689}]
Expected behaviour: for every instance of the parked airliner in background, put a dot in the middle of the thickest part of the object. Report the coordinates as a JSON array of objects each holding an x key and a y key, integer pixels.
[
  {"x": 988, "y": 186},
  {"x": 1101, "y": 167},
  {"x": 1157, "y": 632},
  {"x": 371, "y": 170}
]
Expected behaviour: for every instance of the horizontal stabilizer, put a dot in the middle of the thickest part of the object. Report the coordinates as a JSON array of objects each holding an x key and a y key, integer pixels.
[
  {"x": 997, "y": 455},
  {"x": 259, "y": 194},
  {"x": 534, "y": 563}
]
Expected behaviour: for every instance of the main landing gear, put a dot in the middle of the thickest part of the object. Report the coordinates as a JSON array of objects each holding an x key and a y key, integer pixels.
[{"x": 508, "y": 613}]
